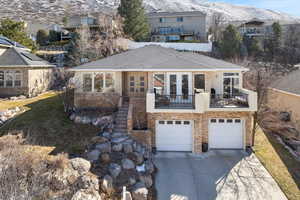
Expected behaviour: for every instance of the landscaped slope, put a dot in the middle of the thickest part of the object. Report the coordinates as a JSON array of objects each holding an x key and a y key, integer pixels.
[{"x": 46, "y": 124}]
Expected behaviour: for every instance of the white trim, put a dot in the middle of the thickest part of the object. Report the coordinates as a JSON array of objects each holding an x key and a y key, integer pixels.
[{"x": 159, "y": 70}]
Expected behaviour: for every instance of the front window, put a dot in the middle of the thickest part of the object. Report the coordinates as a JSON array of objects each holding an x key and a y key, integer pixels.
[
  {"x": 109, "y": 82},
  {"x": 9, "y": 78},
  {"x": 18, "y": 79},
  {"x": 159, "y": 84},
  {"x": 98, "y": 82},
  {"x": 87, "y": 82},
  {"x": 199, "y": 82}
]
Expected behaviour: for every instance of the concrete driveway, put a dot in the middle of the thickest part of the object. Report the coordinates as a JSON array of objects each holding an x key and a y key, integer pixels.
[{"x": 229, "y": 175}]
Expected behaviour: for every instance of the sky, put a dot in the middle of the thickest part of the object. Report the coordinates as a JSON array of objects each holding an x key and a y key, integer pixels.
[{"x": 288, "y": 6}]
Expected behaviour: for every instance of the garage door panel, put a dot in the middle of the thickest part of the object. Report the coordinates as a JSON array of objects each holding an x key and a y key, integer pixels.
[
  {"x": 226, "y": 134},
  {"x": 174, "y": 137}
]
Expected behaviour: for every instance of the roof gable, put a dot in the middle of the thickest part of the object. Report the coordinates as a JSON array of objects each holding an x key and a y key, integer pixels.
[{"x": 15, "y": 57}]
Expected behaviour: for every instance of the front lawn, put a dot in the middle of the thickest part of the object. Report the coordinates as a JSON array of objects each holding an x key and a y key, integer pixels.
[
  {"x": 280, "y": 163},
  {"x": 46, "y": 124}
]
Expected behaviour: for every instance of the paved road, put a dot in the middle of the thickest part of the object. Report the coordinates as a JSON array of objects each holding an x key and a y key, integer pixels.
[{"x": 222, "y": 175}]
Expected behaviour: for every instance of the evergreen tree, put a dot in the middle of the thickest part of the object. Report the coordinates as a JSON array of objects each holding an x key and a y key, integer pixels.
[
  {"x": 54, "y": 36},
  {"x": 16, "y": 32},
  {"x": 230, "y": 44},
  {"x": 135, "y": 24},
  {"x": 42, "y": 37},
  {"x": 252, "y": 45},
  {"x": 272, "y": 44}
]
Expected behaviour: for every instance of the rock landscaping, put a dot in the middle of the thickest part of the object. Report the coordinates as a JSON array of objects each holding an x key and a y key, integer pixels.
[
  {"x": 103, "y": 122},
  {"x": 120, "y": 161},
  {"x": 8, "y": 114}
]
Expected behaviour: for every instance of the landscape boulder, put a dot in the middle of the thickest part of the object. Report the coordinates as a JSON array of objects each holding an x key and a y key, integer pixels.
[
  {"x": 93, "y": 155},
  {"x": 81, "y": 165},
  {"x": 114, "y": 169},
  {"x": 139, "y": 192},
  {"x": 104, "y": 147},
  {"x": 128, "y": 164},
  {"x": 86, "y": 195}
]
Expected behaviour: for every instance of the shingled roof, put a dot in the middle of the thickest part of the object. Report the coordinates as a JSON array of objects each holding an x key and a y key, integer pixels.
[
  {"x": 16, "y": 57},
  {"x": 289, "y": 83},
  {"x": 157, "y": 58}
]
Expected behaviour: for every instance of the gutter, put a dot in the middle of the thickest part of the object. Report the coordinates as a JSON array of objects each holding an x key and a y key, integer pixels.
[{"x": 157, "y": 70}]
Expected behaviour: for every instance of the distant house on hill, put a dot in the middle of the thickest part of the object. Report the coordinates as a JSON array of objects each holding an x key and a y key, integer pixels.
[
  {"x": 177, "y": 26},
  {"x": 21, "y": 72}
]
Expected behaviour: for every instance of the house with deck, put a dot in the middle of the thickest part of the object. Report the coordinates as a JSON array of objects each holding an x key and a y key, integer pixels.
[
  {"x": 184, "y": 101},
  {"x": 177, "y": 26}
]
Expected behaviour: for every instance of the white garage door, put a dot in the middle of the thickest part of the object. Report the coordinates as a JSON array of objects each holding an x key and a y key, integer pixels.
[
  {"x": 174, "y": 135},
  {"x": 226, "y": 134}
]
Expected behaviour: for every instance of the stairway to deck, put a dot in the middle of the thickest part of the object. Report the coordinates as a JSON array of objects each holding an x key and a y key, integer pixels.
[{"x": 121, "y": 118}]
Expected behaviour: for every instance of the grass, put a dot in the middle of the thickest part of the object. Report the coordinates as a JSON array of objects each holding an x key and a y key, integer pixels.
[
  {"x": 280, "y": 163},
  {"x": 46, "y": 124}
]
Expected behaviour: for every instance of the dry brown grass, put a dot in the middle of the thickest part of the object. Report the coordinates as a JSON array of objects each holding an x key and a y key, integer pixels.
[
  {"x": 46, "y": 124},
  {"x": 279, "y": 162}
]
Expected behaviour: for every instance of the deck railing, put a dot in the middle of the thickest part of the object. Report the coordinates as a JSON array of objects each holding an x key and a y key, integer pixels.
[
  {"x": 174, "y": 101},
  {"x": 239, "y": 100}
]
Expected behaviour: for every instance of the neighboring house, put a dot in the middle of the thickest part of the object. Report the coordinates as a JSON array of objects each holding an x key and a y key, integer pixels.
[
  {"x": 284, "y": 96},
  {"x": 185, "y": 100},
  {"x": 94, "y": 21},
  {"x": 175, "y": 26},
  {"x": 32, "y": 28},
  {"x": 253, "y": 28},
  {"x": 22, "y": 73}
]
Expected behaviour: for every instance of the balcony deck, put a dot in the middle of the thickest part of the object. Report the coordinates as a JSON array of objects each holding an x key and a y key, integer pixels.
[{"x": 174, "y": 101}]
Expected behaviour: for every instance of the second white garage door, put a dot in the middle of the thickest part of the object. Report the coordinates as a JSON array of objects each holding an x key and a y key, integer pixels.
[
  {"x": 174, "y": 135},
  {"x": 226, "y": 134}
]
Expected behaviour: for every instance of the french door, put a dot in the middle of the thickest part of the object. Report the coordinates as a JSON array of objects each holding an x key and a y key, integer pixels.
[
  {"x": 179, "y": 86},
  {"x": 231, "y": 85}
]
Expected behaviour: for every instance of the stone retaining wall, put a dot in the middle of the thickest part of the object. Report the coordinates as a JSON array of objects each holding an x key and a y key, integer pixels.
[{"x": 142, "y": 136}]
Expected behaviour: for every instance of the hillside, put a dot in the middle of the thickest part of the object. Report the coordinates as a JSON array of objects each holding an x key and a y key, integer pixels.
[{"x": 54, "y": 10}]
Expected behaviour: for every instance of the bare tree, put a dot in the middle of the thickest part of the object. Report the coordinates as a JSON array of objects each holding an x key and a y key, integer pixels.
[
  {"x": 216, "y": 25},
  {"x": 259, "y": 79}
]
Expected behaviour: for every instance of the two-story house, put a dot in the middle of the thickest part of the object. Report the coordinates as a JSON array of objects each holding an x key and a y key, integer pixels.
[
  {"x": 175, "y": 26},
  {"x": 187, "y": 101}
]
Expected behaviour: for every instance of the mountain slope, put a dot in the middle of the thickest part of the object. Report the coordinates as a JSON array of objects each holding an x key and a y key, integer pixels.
[{"x": 54, "y": 10}]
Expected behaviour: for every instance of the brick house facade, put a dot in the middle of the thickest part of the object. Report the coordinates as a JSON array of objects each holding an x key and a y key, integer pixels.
[{"x": 177, "y": 101}]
